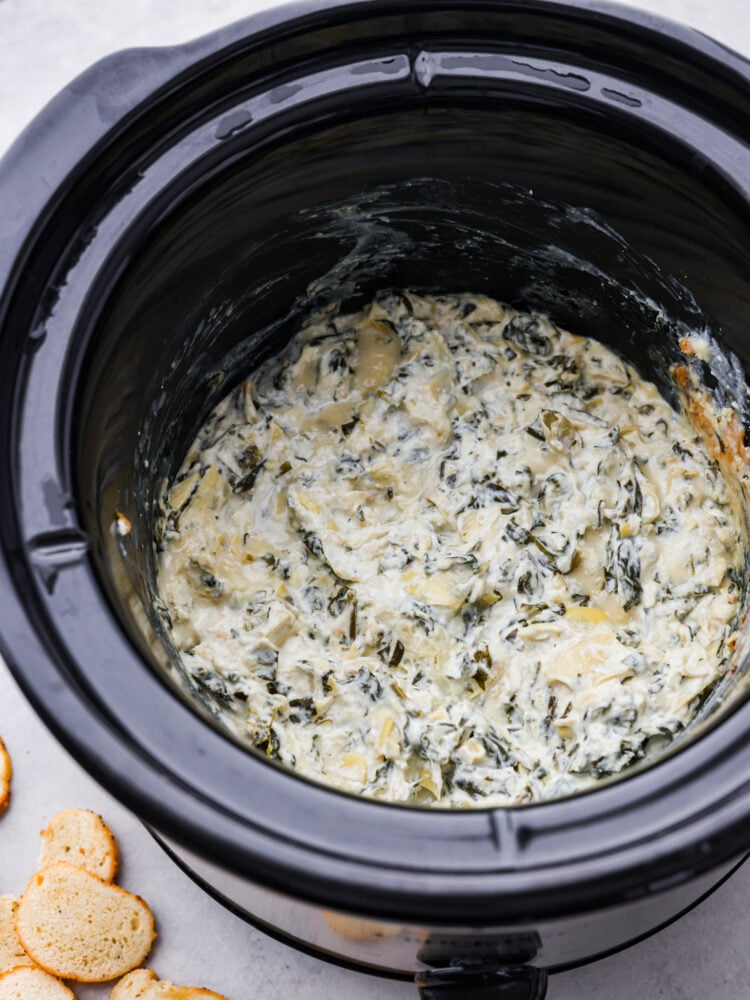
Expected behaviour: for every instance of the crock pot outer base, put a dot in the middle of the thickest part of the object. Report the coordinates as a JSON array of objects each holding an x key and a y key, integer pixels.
[
  {"x": 138, "y": 230},
  {"x": 398, "y": 950}
]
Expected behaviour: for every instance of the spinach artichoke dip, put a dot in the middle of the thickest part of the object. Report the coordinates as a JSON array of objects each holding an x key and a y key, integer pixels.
[{"x": 441, "y": 552}]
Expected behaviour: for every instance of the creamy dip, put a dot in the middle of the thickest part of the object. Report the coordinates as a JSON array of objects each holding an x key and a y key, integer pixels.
[{"x": 441, "y": 552}]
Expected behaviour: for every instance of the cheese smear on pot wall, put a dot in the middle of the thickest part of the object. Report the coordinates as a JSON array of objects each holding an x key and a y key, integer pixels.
[{"x": 444, "y": 553}]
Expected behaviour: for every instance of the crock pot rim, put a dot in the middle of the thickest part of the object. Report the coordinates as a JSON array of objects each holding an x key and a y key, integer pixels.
[
  {"x": 166, "y": 66},
  {"x": 46, "y": 692}
]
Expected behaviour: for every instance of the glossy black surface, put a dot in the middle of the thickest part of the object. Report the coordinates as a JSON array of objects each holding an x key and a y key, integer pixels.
[
  {"x": 461, "y": 984},
  {"x": 188, "y": 216}
]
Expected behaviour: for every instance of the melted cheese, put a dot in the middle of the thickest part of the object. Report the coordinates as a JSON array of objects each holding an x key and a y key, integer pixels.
[{"x": 444, "y": 553}]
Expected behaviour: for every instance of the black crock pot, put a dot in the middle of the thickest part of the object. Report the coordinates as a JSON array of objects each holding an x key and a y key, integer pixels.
[{"x": 165, "y": 223}]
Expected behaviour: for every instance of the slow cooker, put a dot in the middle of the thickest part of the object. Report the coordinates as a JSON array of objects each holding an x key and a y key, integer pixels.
[{"x": 167, "y": 222}]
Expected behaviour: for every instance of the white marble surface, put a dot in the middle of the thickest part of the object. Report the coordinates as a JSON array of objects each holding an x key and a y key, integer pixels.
[{"x": 44, "y": 43}]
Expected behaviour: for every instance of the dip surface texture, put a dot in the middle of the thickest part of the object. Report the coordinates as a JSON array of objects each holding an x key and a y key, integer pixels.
[{"x": 443, "y": 553}]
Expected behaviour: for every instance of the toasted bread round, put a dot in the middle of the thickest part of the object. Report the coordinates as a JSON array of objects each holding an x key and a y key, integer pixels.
[
  {"x": 32, "y": 984},
  {"x": 81, "y": 838},
  {"x": 12, "y": 954},
  {"x": 6, "y": 773},
  {"x": 77, "y": 926},
  {"x": 143, "y": 984}
]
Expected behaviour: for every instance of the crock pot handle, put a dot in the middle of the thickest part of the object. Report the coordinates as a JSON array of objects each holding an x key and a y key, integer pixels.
[{"x": 520, "y": 982}]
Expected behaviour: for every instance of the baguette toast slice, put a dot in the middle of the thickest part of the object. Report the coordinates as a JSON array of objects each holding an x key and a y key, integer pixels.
[
  {"x": 80, "y": 837},
  {"x": 24, "y": 983},
  {"x": 6, "y": 773},
  {"x": 77, "y": 926},
  {"x": 12, "y": 954},
  {"x": 143, "y": 984}
]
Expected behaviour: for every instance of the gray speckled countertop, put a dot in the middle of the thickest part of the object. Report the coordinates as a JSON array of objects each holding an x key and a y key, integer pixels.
[{"x": 43, "y": 44}]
